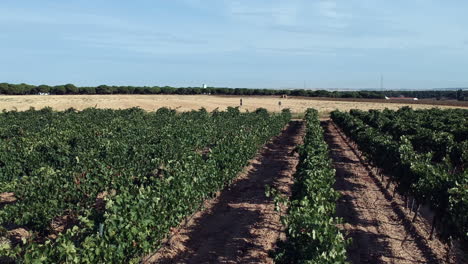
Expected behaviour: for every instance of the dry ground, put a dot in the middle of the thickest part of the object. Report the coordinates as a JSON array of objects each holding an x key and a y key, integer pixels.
[
  {"x": 190, "y": 102},
  {"x": 380, "y": 227},
  {"x": 447, "y": 102},
  {"x": 241, "y": 224}
]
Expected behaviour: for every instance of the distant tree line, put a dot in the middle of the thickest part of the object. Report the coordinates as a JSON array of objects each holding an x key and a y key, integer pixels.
[{"x": 23, "y": 89}]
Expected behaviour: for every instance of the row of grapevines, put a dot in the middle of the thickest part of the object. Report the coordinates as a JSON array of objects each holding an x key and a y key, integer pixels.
[
  {"x": 312, "y": 235},
  {"x": 116, "y": 181},
  {"x": 442, "y": 132},
  {"x": 407, "y": 120},
  {"x": 414, "y": 173}
]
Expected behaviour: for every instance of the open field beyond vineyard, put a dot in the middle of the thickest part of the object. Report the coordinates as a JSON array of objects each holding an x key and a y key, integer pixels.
[{"x": 195, "y": 102}]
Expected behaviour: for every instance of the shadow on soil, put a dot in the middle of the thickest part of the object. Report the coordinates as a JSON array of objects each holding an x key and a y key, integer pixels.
[
  {"x": 224, "y": 234},
  {"x": 366, "y": 247}
]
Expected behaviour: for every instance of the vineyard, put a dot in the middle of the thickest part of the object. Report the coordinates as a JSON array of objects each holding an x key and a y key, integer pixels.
[
  {"x": 107, "y": 186},
  {"x": 424, "y": 154},
  {"x": 130, "y": 186},
  {"x": 312, "y": 235}
]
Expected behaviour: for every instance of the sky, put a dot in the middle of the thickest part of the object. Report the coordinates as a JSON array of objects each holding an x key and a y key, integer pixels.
[{"x": 245, "y": 43}]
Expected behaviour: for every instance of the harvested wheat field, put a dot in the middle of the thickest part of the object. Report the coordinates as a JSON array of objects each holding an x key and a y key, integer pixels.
[{"x": 192, "y": 102}]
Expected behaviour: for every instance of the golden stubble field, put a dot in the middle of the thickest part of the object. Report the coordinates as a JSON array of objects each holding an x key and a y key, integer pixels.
[{"x": 189, "y": 102}]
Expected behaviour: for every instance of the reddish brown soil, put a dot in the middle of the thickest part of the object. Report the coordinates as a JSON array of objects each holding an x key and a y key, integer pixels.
[
  {"x": 240, "y": 225},
  {"x": 379, "y": 225},
  {"x": 393, "y": 101}
]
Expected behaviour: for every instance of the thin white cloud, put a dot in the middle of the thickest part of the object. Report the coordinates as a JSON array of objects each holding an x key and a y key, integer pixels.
[
  {"x": 274, "y": 12},
  {"x": 15, "y": 16},
  {"x": 328, "y": 9},
  {"x": 269, "y": 25},
  {"x": 108, "y": 32},
  {"x": 334, "y": 10},
  {"x": 314, "y": 51},
  {"x": 149, "y": 42}
]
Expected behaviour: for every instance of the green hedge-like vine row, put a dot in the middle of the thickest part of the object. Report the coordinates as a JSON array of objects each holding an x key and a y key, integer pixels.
[
  {"x": 312, "y": 234},
  {"x": 442, "y": 132},
  {"x": 415, "y": 172},
  {"x": 107, "y": 186}
]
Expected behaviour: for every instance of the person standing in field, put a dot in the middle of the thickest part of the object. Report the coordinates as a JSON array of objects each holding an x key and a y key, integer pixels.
[{"x": 241, "y": 102}]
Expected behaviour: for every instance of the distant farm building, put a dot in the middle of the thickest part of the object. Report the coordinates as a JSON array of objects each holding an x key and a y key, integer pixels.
[{"x": 43, "y": 93}]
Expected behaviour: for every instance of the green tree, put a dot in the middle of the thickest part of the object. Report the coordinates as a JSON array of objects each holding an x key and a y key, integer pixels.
[
  {"x": 122, "y": 90},
  {"x": 460, "y": 95},
  {"x": 87, "y": 90},
  {"x": 43, "y": 88},
  {"x": 71, "y": 89},
  {"x": 104, "y": 89},
  {"x": 59, "y": 89}
]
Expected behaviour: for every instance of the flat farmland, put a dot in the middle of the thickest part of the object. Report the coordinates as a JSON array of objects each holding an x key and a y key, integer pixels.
[{"x": 193, "y": 102}]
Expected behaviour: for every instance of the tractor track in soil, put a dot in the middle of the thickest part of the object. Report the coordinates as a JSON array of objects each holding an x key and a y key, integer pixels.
[
  {"x": 240, "y": 225},
  {"x": 380, "y": 227}
]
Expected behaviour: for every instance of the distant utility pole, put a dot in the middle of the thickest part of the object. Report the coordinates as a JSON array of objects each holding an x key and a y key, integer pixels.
[
  {"x": 381, "y": 82},
  {"x": 304, "y": 85}
]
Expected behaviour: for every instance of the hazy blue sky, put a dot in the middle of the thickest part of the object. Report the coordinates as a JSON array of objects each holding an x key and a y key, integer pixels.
[{"x": 248, "y": 43}]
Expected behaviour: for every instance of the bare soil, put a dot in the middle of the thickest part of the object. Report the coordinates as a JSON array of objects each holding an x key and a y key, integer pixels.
[
  {"x": 381, "y": 228},
  {"x": 17, "y": 234},
  {"x": 7, "y": 198},
  {"x": 241, "y": 224},
  {"x": 447, "y": 102}
]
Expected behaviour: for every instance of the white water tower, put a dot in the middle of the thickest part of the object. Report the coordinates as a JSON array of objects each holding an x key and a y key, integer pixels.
[{"x": 204, "y": 86}]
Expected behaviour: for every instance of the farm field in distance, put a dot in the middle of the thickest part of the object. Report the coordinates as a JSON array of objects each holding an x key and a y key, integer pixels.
[{"x": 195, "y": 102}]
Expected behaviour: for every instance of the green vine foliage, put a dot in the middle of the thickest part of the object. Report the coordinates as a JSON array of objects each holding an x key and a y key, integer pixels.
[
  {"x": 121, "y": 178},
  {"x": 312, "y": 234},
  {"x": 425, "y": 154}
]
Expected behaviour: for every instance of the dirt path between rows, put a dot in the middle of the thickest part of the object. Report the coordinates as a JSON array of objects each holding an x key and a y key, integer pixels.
[
  {"x": 240, "y": 225},
  {"x": 381, "y": 229}
]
